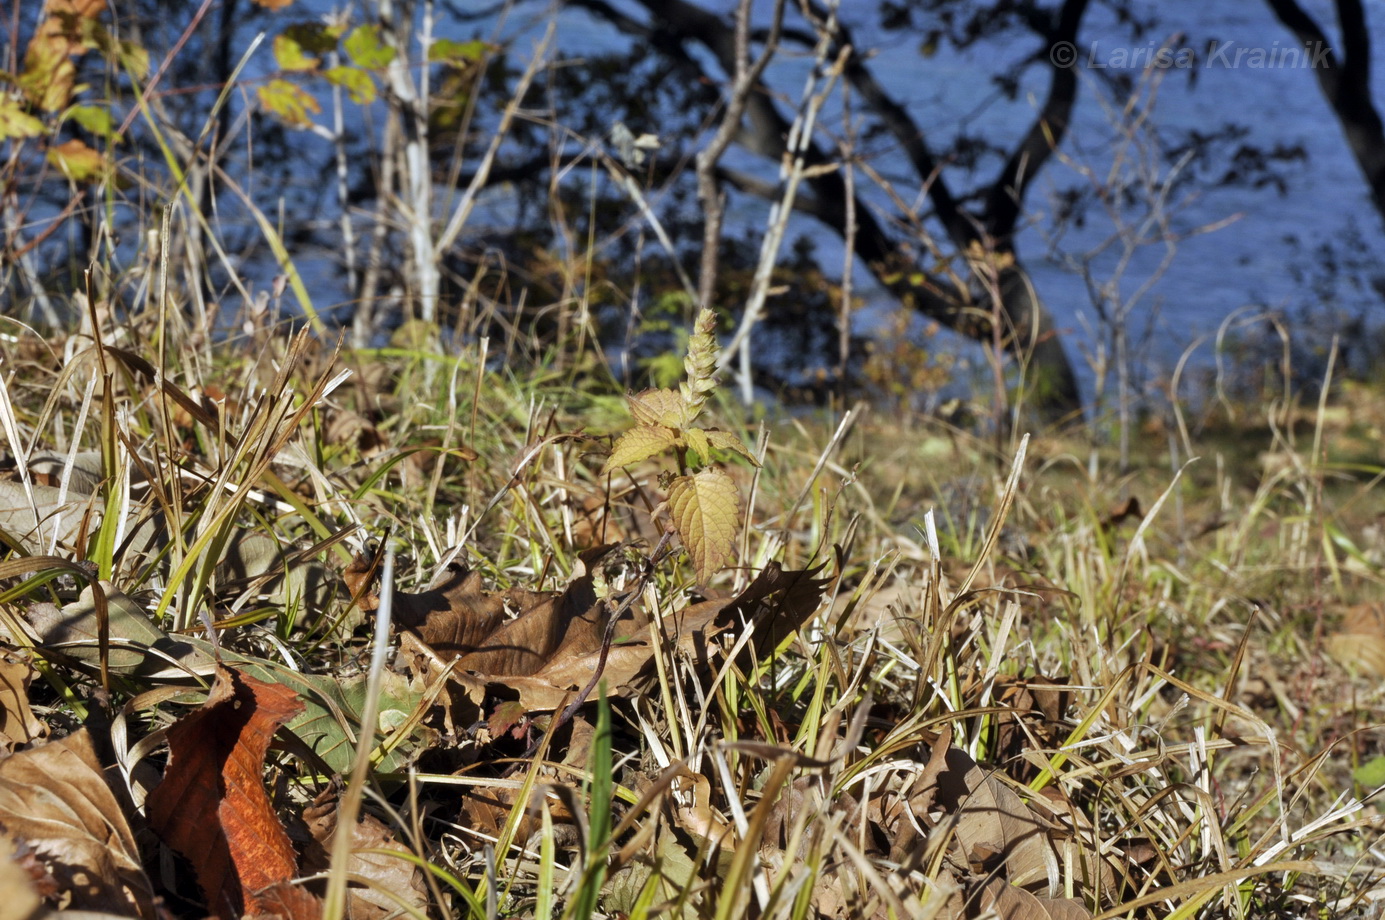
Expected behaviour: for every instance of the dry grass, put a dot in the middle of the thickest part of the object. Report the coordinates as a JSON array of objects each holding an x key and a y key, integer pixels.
[{"x": 1008, "y": 696}]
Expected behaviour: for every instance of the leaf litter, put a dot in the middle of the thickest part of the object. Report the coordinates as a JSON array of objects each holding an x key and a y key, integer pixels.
[{"x": 487, "y": 759}]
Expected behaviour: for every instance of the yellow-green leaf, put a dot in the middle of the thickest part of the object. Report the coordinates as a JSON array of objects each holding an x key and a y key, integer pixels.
[
  {"x": 705, "y": 509},
  {"x": 697, "y": 442},
  {"x": 640, "y": 443},
  {"x": 134, "y": 57},
  {"x": 657, "y": 407},
  {"x": 49, "y": 76},
  {"x": 94, "y": 118},
  {"x": 15, "y": 122},
  {"x": 365, "y": 47},
  {"x": 458, "y": 54},
  {"x": 291, "y": 103},
  {"x": 728, "y": 441},
  {"x": 357, "y": 83},
  {"x": 291, "y": 56},
  {"x": 77, "y": 161}
]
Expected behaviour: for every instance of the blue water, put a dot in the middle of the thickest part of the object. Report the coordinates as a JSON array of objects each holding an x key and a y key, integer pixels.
[
  {"x": 1269, "y": 236},
  {"x": 1241, "y": 245}
]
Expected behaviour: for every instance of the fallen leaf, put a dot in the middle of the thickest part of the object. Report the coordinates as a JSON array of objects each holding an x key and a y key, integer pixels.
[
  {"x": 50, "y": 516},
  {"x": 995, "y": 829},
  {"x": 212, "y": 806},
  {"x": 137, "y": 645},
  {"x": 1360, "y": 641},
  {"x": 1012, "y": 903},
  {"x": 457, "y": 619},
  {"x": 18, "y": 724},
  {"x": 54, "y": 801},
  {"x": 777, "y": 603},
  {"x": 382, "y": 878}
]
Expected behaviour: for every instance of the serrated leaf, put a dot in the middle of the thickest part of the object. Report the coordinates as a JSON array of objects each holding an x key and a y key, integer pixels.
[
  {"x": 77, "y": 161},
  {"x": 657, "y": 407},
  {"x": 15, "y": 122},
  {"x": 640, "y": 443},
  {"x": 357, "y": 83},
  {"x": 455, "y": 53},
  {"x": 698, "y": 442},
  {"x": 705, "y": 509},
  {"x": 291, "y": 103},
  {"x": 365, "y": 48},
  {"x": 728, "y": 441},
  {"x": 292, "y": 56}
]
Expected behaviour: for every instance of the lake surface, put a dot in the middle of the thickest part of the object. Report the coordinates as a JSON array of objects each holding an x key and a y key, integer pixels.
[
  {"x": 1246, "y": 69},
  {"x": 1258, "y": 259}
]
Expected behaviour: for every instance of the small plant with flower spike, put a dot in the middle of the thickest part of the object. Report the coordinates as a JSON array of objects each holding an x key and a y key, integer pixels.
[{"x": 703, "y": 502}]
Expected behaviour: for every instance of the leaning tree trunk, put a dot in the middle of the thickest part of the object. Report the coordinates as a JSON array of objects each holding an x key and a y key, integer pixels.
[{"x": 1053, "y": 391}]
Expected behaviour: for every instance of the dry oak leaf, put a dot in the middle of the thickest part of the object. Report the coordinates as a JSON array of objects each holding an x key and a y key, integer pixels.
[
  {"x": 54, "y": 801},
  {"x": 777, "y": 603},
  {"x": 705, "y": 508},
  {"x": 995, "y": 828},
  {"x": 212, "y": 806}
]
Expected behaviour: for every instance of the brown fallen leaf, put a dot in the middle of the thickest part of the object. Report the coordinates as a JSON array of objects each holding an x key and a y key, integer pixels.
[
  {"x": 1360, "y": 641},
  {"x": 18, "y": 724},
  {"x": 387, "y": 879},
  {"x": 776, "y": 603},
  {"x": 56, "y": 807},
  {"x": 1012, "y": 903},
  {"x": 457, "y": 619},
  {"x": 995, "y": 829},
  {"x": 212, "y": 806},
  {"x": 898, "y": 814}
]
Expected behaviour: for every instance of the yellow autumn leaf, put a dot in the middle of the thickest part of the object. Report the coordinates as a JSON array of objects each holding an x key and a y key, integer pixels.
[
  {"x": 292, "y": 56},
  {"x": 15, "y": 122},
  {"x": 639, "y": 443},
  {"x": 291, "y": 103},
  {"x": 705, "y": 508},
  {"x": 657, "y": 407},
  {"x": 725, "y": 440},
  {"x": 697, "y": 441},
  {"x": 77, "y": 161}
]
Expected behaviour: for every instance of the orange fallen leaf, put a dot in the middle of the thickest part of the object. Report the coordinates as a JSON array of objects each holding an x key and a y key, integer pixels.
[{"x": 212, "y": 806}]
